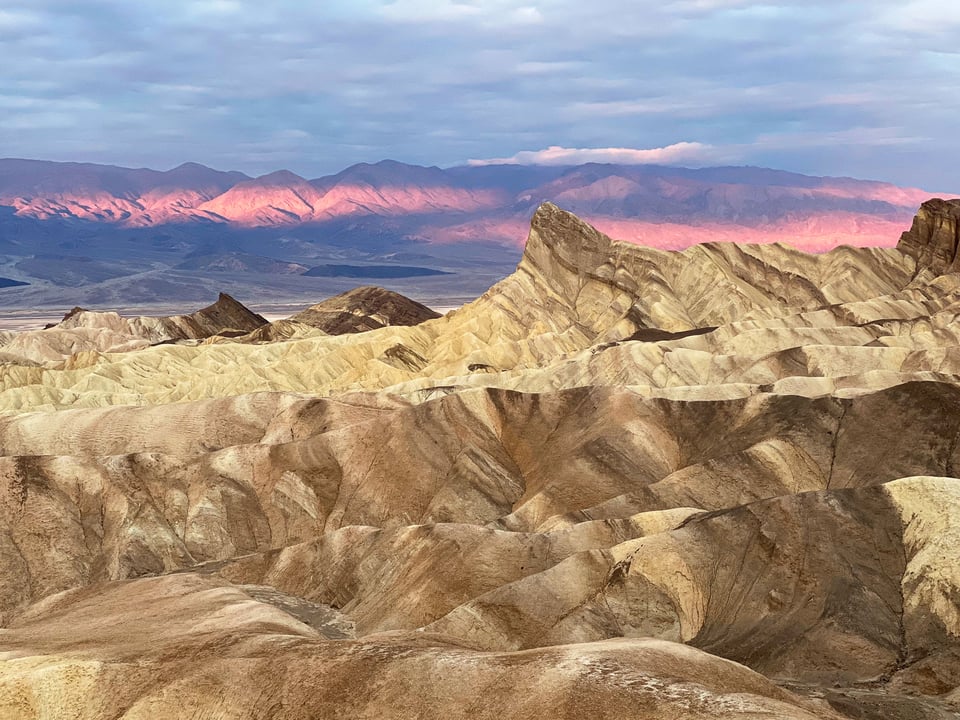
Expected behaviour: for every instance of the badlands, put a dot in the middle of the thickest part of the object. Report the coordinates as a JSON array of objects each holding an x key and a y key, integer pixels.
[{"x": 623, "y": 483}]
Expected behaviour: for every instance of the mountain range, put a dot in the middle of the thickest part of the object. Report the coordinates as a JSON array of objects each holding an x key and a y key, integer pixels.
[
  {"x": 626, "y": 197},
  {"x": 87, "y": 234}
]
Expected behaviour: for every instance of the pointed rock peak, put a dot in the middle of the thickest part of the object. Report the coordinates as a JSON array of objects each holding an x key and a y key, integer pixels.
[
  {"x": 551, "y": 219},
  {"x": 74, "y": 312},
  {"x": 364, "y": 308},
  {"x": 73, "y": 315},
  {"x": 934, "y": 239},
  {"x": 564, "y": 234},
  {"x": 227, "y": 302},
  {"x": 227, "y": 312}
]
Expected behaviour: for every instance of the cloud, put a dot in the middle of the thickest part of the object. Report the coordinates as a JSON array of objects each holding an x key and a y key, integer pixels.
[
  {"x": 709, "y": 5},
  {"x": 493, "y": 12},
  {"x": 924, "y": 17},
  {"x": 159, "y": 82},
  {"x": 17, "y": 20},
  {"x": 204, "y": 9},
  {"x": 678, "y": 153}
]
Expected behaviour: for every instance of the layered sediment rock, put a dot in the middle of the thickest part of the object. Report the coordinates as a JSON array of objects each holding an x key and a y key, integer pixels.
[
  {"x": 934, "y": 239},
  {"x": 84, "y": 332},
  {"x": 716, "y": 483},
  {"x": 362, "y": 309}
]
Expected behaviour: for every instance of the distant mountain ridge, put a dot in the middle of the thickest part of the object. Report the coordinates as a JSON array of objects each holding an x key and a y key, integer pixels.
[
  {"x": 105, "y": 193},
  {"x": 654, "y": 205}
]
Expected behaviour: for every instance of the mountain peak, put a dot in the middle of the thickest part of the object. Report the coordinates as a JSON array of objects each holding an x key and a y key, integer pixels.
[
  {"x": 279, "y": 177},
  {"x": 385, "y": 173},
  {"x": 364, "y": 308},
  {"x": 191, "y": 174},
  {"x": 564, "y": 234},
  {"x": 226, "y": 313},
  {"x": 190, "y": 165}
]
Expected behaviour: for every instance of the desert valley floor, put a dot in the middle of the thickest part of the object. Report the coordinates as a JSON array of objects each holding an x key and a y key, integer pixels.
[{"x": 623, "y": 483}]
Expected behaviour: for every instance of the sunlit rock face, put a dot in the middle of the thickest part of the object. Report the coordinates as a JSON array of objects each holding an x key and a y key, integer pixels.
[{"x": 624, "y": 483}]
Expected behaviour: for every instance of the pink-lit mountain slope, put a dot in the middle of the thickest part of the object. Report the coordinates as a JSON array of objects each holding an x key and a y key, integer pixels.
[
  {"x": 280, "y": 198},
  {"x": 675, "y": 208},
  {"x": 104, "y": 193},
  {"x": 657, "y": 206},
  {"x": 387, "y": 189}
]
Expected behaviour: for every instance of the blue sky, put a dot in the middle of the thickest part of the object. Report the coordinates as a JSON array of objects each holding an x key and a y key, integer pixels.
[{"x": 867, "y": 89}]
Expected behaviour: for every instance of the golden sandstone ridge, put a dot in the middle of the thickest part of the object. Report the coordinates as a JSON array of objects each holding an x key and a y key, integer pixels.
[{"x": 623, "y": 483}]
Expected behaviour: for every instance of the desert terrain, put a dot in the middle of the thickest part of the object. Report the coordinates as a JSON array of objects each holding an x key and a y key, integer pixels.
[{"x": 624, "y": 482}]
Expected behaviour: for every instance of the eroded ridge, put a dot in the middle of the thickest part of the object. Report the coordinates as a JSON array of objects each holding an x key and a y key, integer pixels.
[{"x": 623, "y": 482}]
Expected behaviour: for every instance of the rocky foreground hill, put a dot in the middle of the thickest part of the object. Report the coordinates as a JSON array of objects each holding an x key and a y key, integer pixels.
[{"x": 623, "y": 483}]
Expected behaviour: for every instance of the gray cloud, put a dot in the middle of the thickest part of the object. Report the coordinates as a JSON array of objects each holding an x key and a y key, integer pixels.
[{"x": 855, "y": 88}]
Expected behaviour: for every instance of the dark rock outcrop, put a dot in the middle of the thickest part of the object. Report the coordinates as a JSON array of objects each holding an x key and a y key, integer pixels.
[
  {"x": 225, "y": 314},
  {"x": 364, "y": 308},
  {"x": 934, "y": 239}
]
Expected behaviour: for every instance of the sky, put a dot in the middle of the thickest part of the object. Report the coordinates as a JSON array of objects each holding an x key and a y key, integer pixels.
[{"x": 864, "y": 89}]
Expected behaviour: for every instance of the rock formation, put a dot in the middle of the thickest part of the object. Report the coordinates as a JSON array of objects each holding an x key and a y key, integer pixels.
[
  {"x": 934, "y": 239},
  {"x": 225, "y": 315},
  {"x": 622, "y": 483},
  {"x": 84, "y": 332},
  {"x": 362, "y": 309}
]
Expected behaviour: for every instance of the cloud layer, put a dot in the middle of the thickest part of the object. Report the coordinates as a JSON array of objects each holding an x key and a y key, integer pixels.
[
  {"x": 686, "y": 153},
  {"x": 858, "y": 88}
]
